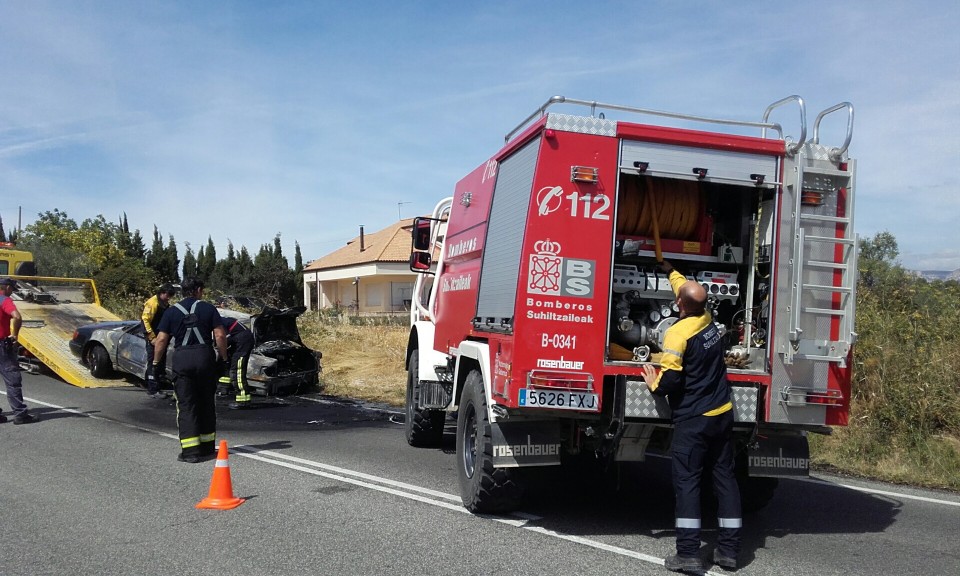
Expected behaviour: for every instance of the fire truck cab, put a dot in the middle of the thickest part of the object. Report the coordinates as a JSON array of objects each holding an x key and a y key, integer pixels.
[{"x": 539, "y": 299}]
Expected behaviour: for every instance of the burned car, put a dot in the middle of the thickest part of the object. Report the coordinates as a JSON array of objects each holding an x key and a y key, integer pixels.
[{"x": 280, "y": 363}]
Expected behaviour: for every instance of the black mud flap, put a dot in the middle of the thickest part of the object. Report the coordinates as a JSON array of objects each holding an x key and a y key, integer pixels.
[
  {"x": 517, "y": 444},
  {"x": 779, "y": 456}
]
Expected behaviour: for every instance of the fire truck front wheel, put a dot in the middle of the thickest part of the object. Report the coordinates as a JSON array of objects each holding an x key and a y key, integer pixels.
[
  {"x": 483, "y": 488},
  {"x": 423, "y": 427}
]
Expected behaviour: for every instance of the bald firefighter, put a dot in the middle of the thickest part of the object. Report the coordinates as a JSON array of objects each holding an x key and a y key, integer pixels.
[{"x": 693, "y": 377}]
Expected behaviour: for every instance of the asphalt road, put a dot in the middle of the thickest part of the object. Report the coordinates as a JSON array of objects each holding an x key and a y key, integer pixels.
[{"x": 332, "y": 488}]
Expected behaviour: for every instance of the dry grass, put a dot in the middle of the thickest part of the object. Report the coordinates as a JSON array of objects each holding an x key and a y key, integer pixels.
[
  {"x": 932, "y": 463},
  {"x": 364, "y": 362}
]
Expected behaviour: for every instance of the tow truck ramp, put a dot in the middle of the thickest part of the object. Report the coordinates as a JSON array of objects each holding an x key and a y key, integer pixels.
[{"x": 52, "y": 309}]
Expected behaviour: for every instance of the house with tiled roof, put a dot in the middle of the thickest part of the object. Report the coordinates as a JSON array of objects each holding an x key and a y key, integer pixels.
[{"x": 372, "y": 270}]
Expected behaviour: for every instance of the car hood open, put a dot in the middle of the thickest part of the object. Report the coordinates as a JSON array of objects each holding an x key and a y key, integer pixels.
[{"x": 275, "y": 324}]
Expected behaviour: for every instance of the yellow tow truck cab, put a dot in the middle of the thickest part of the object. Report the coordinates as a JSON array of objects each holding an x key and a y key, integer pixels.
[{"x": 16, "y": 262}]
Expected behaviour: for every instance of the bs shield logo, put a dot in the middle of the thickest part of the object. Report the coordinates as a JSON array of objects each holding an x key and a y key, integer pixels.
[{"x": 550, "y": 274}]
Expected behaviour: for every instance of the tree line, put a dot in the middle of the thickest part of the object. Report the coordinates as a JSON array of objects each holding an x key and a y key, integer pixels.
[{"x": 122, "y": 266}]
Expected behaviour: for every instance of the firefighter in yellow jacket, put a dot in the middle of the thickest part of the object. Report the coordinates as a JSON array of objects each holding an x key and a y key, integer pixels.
[
  {"x": 693, "y": 377},
  {"x": 153, "y": 310}
]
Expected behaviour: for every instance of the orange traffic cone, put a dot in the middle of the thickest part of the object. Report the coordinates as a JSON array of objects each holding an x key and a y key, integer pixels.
[{"x": 221, "y": 488}]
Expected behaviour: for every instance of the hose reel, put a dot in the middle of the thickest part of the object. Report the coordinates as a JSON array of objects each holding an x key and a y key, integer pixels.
[{"x": 678, "y": 204}]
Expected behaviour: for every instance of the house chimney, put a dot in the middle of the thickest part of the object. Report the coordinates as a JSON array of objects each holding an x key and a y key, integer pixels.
[{"x": 362, "y": 247}]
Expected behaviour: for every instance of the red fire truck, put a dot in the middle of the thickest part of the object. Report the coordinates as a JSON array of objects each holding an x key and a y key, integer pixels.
[{"x": 540, "y": 300}]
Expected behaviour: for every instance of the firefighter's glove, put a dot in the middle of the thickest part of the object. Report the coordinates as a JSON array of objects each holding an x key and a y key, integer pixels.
[{"x": 160, "y": 371}]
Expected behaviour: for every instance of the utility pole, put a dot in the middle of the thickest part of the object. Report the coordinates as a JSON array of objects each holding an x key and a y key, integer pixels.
[{"x": 399, "y": 204}]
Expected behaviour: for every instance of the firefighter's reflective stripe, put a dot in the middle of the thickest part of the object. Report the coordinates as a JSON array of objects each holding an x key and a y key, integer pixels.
[
  {"x": 718, "y": 411},
  {"x": 191, "y": 442},
  {"x": 730, "y": 522},
  {"x": 208, "y": 437},
  {"x": 688, "y": 523},
  {"x": 224, "y": 380},
  {"x": 242, "y": 394}
]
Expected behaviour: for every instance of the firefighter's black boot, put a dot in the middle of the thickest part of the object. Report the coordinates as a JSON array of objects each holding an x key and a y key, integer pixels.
[
  {"x": 685, "y": 564},
  {"x": 725, "y": 562}
]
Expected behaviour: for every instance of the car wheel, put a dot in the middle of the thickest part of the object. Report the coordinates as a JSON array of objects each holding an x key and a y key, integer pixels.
[
  {"x": 99, "y": 362},
  {"x": 483, "y": 488},
  {"x": 424, "y": 427}
]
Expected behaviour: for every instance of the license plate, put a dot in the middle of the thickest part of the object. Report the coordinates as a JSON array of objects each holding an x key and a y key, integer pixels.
[{"x": 558, "y": 399}]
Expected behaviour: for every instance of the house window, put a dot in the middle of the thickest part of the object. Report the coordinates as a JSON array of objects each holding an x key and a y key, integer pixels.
[
  {"x": 374, "y": 295},
  {"x": 401, "y": 294}
]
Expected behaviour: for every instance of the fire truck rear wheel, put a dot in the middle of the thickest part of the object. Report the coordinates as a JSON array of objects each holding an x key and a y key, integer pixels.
[
  {"x": 483, "y": 488},
  {"x": 424, "y": 428}
]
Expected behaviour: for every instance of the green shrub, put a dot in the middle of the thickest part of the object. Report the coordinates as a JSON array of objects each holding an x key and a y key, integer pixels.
[{"x": 905, "y": 410}]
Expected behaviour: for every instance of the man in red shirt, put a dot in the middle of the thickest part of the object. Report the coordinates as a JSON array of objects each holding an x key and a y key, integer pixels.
[{"x": 10, "y": 322}]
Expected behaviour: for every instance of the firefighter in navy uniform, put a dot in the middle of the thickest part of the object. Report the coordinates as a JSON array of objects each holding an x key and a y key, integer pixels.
[
  {"x": 693, "y": 376},
  {"x": 196, "y": 329},
  {"x": 234, "y": 377}
]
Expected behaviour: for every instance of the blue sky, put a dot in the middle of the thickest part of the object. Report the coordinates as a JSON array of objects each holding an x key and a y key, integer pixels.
[{"x": 241, "y": 120}]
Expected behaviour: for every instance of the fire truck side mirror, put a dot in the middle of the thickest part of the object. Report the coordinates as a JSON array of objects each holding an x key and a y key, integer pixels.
[
  {"x": 420, "y": 261},
  {"x": 421, "y": 257},
  {"x": 421, "y": 234}
]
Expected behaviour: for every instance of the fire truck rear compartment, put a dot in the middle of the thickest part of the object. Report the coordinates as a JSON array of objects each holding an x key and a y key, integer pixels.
[{"x": 709, "y": 231}]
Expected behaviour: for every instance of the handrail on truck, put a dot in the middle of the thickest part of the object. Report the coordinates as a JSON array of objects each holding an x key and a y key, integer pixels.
[
  {"x": 836, "y": 153},
  {"x": 593, "y": 105},
  {"x": 792, "y": 149}
]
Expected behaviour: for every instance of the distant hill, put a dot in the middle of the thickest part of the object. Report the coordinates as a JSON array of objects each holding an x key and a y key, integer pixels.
[{"x": 938, "y": 274}]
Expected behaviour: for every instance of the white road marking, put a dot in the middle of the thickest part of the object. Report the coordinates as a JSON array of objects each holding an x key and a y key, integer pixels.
[
  {"x": 412, "y": 492},
  {"x": 863, "y": 489},
  {"x": 94, "y": 417},
  {"x": 245, "y": 450},
  {"x": 441, "y": 499},
  {"x": 403, "y": 490},
  {"x": 335, "y": 403},
  {"x": 880, "y": 492}
]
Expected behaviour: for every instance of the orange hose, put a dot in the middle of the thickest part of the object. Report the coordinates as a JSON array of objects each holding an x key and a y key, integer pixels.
[
  {"x": 656, "y": 226},
  {"x": 676, "y": 203}
]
